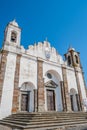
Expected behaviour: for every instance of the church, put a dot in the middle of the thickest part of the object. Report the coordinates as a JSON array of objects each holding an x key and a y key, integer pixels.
[{"x": 38, "y": 79}]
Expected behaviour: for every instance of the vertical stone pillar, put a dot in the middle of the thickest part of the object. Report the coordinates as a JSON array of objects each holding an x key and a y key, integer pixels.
[
  {"x": 15, "y": 103},
  {"x": 4, "y": 55},
  {"x": 63, "y": 96},
  {"x": 79, "y": 90},
  {"x": 35, "y": 100},
  {"x": 67, "y": 96},
  {"x": 40, "y": 83}
]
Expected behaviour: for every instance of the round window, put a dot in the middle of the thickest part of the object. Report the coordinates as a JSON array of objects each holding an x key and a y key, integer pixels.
[{"x": 49, "y": 75}]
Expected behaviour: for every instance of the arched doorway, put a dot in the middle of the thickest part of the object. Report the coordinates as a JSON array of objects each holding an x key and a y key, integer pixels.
[
  {"x": 74, "y": 100},
  {"x": 27, "y": 97},
  {"x": 53, "y": 97}
]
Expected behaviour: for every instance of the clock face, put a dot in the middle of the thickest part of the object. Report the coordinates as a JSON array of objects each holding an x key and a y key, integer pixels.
[{"x": 47, "y": 53}]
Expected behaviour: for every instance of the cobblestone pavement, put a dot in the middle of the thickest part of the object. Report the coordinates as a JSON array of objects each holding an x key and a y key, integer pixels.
[{"x": 80, "y": 127}]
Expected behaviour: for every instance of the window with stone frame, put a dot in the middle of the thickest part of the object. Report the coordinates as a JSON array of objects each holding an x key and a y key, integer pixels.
[
  {"x": 13, "y": 36},
  {"x": 49, "y": 75},
  {"x": 76, "y": 59},
  {"x": 69, "y": 60}
]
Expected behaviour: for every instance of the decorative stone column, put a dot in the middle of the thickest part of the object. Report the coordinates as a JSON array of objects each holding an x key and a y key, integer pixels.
[
  {"x": 63, "y": 96},
  {"x": 40, "y": 83},
  {"x": 15, "y": 103},
  {"x": 67, "y": 96},
  {"x": 4, "y": 55}
]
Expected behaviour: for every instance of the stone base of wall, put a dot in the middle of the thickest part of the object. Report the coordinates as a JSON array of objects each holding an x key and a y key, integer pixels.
[{"x": 5, "y": 128}]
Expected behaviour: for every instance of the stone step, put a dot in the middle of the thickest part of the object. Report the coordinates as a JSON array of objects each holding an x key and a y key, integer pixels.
[
  {"x": 49, "y": 113},
  {"x": 42, "y": 119},
  {"x": 45, "y": 116},
  {"x": 72, "y": 115},
  {"x": 47, "y": 120},
  {"x": 52, "y": 125},
  {"x": 31, "y": 118},
  {"x": 43, "y": 122}
]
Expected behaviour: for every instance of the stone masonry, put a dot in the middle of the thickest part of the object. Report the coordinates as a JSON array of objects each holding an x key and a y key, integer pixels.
[
  {"x": 41, "y": 98},
  {"x": 15, "y": 105}
]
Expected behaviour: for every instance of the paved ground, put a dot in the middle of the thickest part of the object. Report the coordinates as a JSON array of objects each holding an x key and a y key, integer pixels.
[{"x": 81, "y": 127}]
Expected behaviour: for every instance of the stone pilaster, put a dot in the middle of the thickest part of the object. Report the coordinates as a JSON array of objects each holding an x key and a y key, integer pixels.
[
  {"x": 63, "y": 96},
  {"x": 15, "y": 103},
  {"x": 67, "y": 96},
  {"x": 41, "y": 98},
  {"x": 4, "y": 55}
]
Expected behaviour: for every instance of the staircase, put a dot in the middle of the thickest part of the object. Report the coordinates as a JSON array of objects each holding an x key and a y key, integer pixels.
[{"x": 44, "y": 121}]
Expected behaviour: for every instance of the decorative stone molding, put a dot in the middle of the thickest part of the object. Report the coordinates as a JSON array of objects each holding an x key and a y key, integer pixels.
[
  {"x": 4, "y": 55},
  {"x": 15, "y": 103}
]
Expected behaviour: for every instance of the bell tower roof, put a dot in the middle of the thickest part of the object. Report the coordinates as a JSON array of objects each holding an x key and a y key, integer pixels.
[
  {"x": 14, "y": 23},
  {"x": 71, "y": 48},
  {"x": 12, "y": 34}
]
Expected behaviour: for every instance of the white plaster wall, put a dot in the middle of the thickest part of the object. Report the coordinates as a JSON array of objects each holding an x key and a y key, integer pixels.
[
  {"x": 8, "y": 86},
  {"x": 48, "y": 66},
  {"x": 82, "y": 85},
  {"x": 28, "y": 71},
  {"x": 71, "y": 79},
  {"x": 59, "y": 106}
]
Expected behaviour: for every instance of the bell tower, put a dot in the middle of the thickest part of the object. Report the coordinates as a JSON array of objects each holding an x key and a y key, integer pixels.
[
  {"x": 72, "y": 58},
  {"x": 12, "y": 34}
]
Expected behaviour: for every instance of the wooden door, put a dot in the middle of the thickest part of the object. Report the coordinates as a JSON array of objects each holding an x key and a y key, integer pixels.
[
  {"x": 72, "y": 107},
  {"x": 24, "y": 102},
  {"x": 50, "y": 100}
]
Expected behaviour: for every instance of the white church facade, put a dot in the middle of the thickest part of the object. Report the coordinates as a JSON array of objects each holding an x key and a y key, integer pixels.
[{"x": 37, "y": 79}]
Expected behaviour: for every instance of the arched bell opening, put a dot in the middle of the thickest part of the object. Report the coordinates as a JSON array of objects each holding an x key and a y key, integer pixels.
[{"x": 13, "y": 36}]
